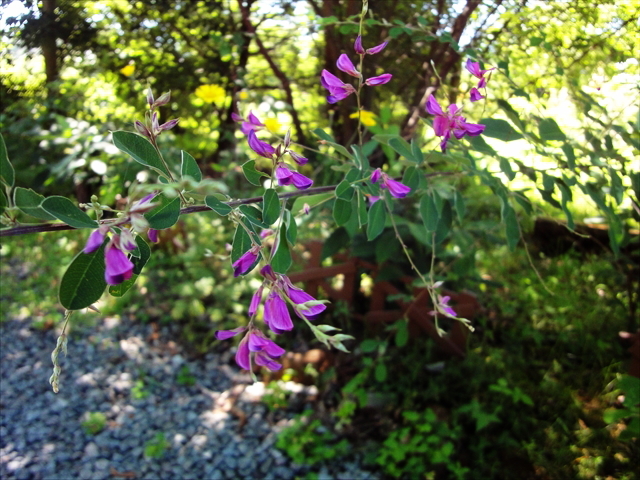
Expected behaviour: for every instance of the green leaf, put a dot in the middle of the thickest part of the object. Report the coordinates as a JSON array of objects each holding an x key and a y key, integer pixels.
[
  {"x": 500, "y": 129},
  {"x": 341, "y": 211},
  {"x": 566, "y": 197},
  {"x": 281, "y": 261},
  {"x": 444, "y": 223},
  {"x": 29, "y": 202},
  {"x": 253, "y": 215},
  {"x": 292, "y": 227},
  {"x": 361, "y": 157},
  {"x": 511, "y": 227},
  {"x": 122, "y": 288},
  {"x": 344, "y": 190},
  {"x": 362, "y": 209},
  {"x": 571, "y": 156},
  {"x": 377, "y": 220},
  {"x": 631, "y": 388},
  {"x": 505, "y": 166},
  {"x": 3, "y": 202},
  {"x": 140, "y": 149},
  {"x": 145, "y": 254},
  {"x": 271, "y": 206},
  {"x": 535, "y": 41},
  {"x": 241, "y": 243},
  {"x": 217, "y": 206},
  {"x": 402, "y": 334},
  {"x": 411, "y": 178},
  {"x": 459, "y": 205},
  {"x": 189, "y": 167},
  {"x": 83, "y": 282},
  {"x": 251, "y": 174},
  {"x": 329, "y": 140},
  {"x": 480, "y": 145},
  {"x": 548, "y": 129},
  {"x": 311, "y": 200},
  {"x": 429, "y": 213},
  {"x": 401, "y": 146},
  {"x": 164, "y": 215},
  {"x": 381, "y": 372},
  {"x": 417, "y": 154},
  {"x": 338, "y": 239},
  {"x": 65, "y": 210},
  {"x": 7, "y": 174},
  {"x": 369, "y": 345}
]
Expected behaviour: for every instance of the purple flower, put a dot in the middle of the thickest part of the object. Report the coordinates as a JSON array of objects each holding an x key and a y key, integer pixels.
[
  {"x": 372, "y": 198},
  {"x": 299, "y": 159},
  {"x": 225, "y": 334},
  {"x": 118, "y": 267},
  {"x": 474, "y": 69},
  {"x": 286, "y": 176},
  {"x": 377, "y": 48},
  {"x": 451, "y": 122},
  {"x": 276, "y": 313},
  {"x": 346, "y": 66},
  {"x": 299, "y": 297},
  {"x": 252, "y": 123},
  {"x": 475, "y": 95},
  {"x": 338, "y": 90},
  {"x": 357, "y": 46},
  {"x": 95, "y": 240},
  {"x": 244, "y": 263},
  {"x": 379, "y": 80},
  {"x": 152, "y": 234},
  {"x": 255, "y": 302},
  {"x": 261, "y": 148},
  {"x": 396, "y": 189},
  {"x": 263, "y": 349},
  {"x": 443, "y": 307}
]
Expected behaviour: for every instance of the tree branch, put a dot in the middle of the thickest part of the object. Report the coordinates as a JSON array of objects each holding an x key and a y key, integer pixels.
[{"x": 57, "y": 227}]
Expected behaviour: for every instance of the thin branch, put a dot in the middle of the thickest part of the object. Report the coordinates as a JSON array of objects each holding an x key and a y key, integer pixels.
[{"x": 57, "y": 227}]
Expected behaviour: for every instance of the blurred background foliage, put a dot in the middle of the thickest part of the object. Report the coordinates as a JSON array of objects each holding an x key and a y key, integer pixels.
[{"x": 531, "y": 397}]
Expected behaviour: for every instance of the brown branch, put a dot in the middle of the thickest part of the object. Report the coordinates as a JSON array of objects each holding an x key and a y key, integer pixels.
[
  {"x": 57, "y": 227},
  {"x": 280, "y": 75}
]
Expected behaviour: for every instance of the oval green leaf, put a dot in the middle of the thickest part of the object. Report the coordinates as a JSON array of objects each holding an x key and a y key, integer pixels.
[
  {"x": 217, "y": 206},
  {"x": 140, "y": 149},
  {"x": 377, "y": 220},
  {"x": 29, "y": 202},
  {"x": 271, "y": 206},
  {"x": 83, "y": 283},
  {"x": 164, "y": 215},
  {"x": 66, "y": 211},
  {"x": 189, "y": 167}
]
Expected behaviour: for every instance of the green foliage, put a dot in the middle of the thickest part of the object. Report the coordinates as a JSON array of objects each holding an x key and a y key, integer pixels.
[
  {"x": 416, "y": 449},
  {"x": 630, "y": 387},
  {"x": 156, "y": 447},
  {"x": 94, "y": 422},
  {"x": 308, "y": 442},
  {"x": 185, "y": 378}
]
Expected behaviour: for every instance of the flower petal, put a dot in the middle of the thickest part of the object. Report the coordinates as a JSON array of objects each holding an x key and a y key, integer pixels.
[
  {"x": 377, "y": 48},
  {"x": 379, "y": 80},
  {"x": 345, "y": 64},
  {"x": 433, "y": 107}
]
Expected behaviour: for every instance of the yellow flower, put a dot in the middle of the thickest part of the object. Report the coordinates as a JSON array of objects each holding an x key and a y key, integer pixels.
[
  {"x": 128, "y": 70},
  {"x": 273, "y": 125},
  {"x": 243, "y": 95},
  {"x": 367, "y": 118},
  {"x": 211, "y": 93}
]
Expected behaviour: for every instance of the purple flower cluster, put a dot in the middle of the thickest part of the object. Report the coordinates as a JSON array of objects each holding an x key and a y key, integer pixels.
[
  {"x": 276, "y": 317},
  {"x": 476, "y": 71},
  {"x": 118, "y": 266},
  {"x": 450, "y": 123},
  {"x": 396, "y": 189},
  {"x": 338, "y": 90},
  {"x": 283, "y": 173}
]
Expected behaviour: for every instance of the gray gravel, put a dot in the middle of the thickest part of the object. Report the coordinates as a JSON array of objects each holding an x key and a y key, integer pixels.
[{"x": 214, "y": 429}]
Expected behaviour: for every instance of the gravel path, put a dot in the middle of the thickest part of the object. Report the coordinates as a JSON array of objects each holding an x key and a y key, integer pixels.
[{"x": 214, "y": 429}]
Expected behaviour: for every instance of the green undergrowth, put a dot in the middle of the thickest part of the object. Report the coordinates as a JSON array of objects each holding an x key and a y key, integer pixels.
[{"x": 537, "y": 396}]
